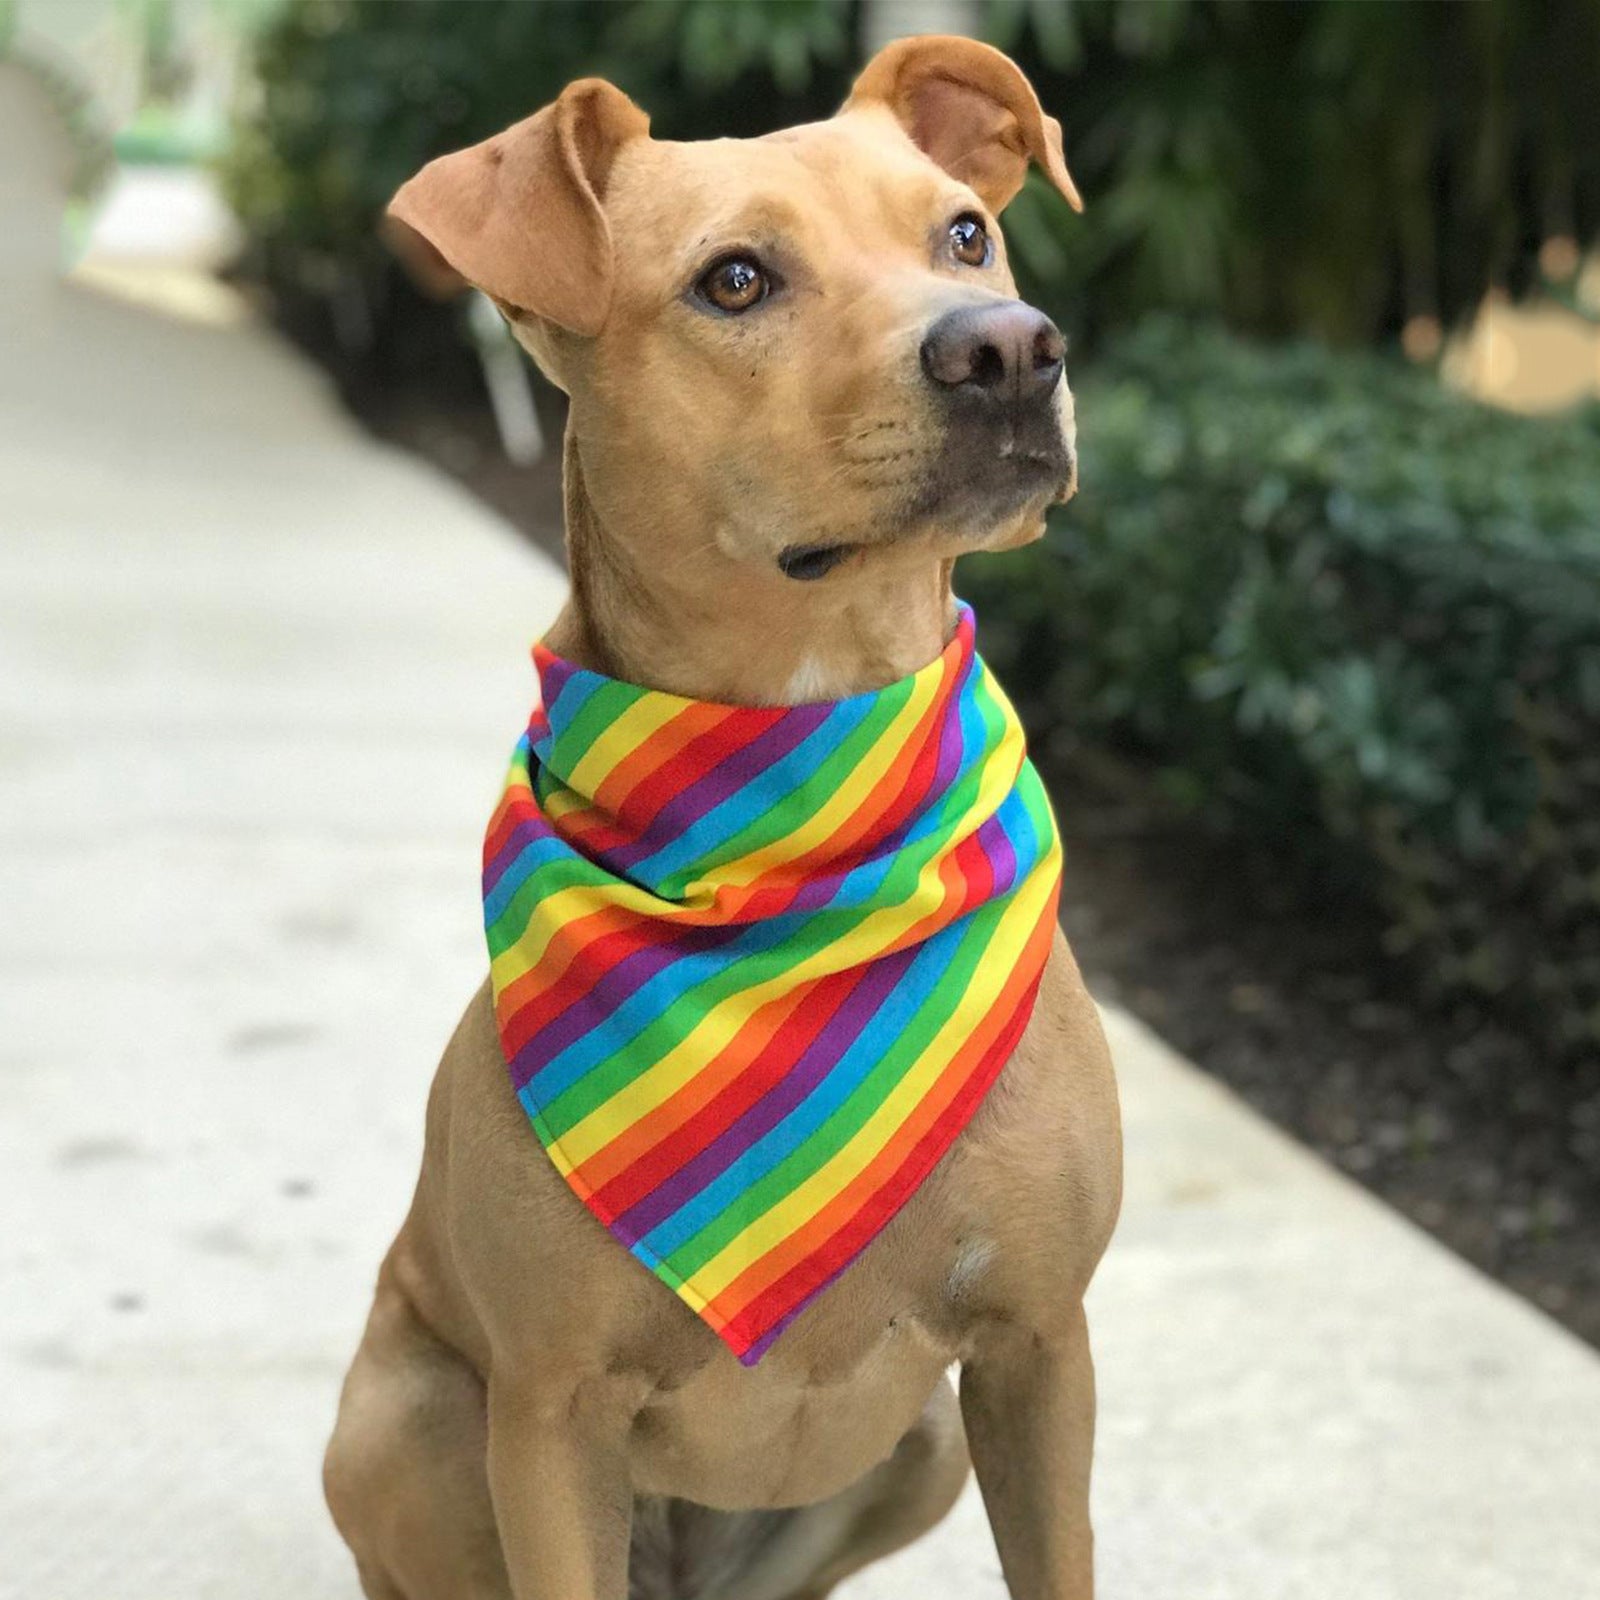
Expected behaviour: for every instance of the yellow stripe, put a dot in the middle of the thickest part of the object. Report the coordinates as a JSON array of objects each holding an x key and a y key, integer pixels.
[
  {"x": 877, "y": 932},
  {"x": 998, "y": 775},
  {"x": 563, "y": 803},
  {"x": 796, "y": 1209},
  {"x": 642, "y": 721},
  {"x": 555, "y": 910},
  {"x": 822, "y": 825},
  {"x": 528, "y": 949}
]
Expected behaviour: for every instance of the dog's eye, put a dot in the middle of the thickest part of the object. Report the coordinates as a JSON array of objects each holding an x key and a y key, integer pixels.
[
  {"x": 734, "y": 284},
  {"x": 969, "y": 241}
]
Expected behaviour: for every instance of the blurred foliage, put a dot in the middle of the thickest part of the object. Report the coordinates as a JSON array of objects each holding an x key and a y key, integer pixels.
[
  {"x": 1331, "y": 168},
  {"x": 1345, "y": 612},
  {"x": 90, "y": 143},
  {"x": 351, "y": 97}
]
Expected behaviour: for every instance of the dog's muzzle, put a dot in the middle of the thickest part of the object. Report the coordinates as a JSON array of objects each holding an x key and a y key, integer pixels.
[{"x": 996, "y": 370}]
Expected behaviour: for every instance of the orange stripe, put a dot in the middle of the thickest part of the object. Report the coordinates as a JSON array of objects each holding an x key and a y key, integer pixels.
[
  {"x": 640, "y": 1137},
  {"x": 814, "y": 1234},
  {"x": 888, "y": 790},
  {"x": 513, "y": 799},
  {"x": 695, "y": 720},
  {"x": 570, "y": 941}
]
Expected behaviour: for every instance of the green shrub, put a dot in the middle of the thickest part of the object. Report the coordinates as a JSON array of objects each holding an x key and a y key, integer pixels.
[
  {"x": 1325, "y": 169},
  {"x": 1344, "y": 611}
]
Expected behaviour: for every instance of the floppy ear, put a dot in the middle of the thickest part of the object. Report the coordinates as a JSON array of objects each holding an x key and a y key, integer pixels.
[
  {"x": 969, "y": 108},
  {"x": 519, "y": 215}
]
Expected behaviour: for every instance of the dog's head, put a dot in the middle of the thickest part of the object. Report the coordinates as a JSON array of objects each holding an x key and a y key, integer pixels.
[{"x": 787, "y": 352}]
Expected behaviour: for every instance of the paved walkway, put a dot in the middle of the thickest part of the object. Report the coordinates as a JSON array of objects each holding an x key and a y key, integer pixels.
[{"x": 258, "y": 676}]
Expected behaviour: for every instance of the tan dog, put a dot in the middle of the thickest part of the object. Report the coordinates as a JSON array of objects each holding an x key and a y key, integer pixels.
[{"x": 801, "y": 385}]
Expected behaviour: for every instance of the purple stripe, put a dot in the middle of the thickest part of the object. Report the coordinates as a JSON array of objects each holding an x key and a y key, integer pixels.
[
  {"x": 952, "y": 746},
  {"x": 554, "y": 676},
  {"x": 819, "y": 890},
  {"x": 592, "y": 1005},
  {"x": 732, "y": 773},
  {"x": 818, "y": 1059},
  {"x": 524, "y": 832},
  {"x": 996, "y": 844},
  {"x": 764, "y": 1343},
  {"x": 952, "y": 753}
]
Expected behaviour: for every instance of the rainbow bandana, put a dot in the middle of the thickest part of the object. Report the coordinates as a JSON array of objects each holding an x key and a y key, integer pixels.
[{"x": 755, "y": 968}]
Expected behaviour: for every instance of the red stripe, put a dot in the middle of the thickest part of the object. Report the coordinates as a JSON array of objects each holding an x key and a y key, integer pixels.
[
  {"x": 849, "y": 1240},
  {"x": 690, "y": 735},
  {"x": 978, "y": 870},
  {"x": 622, "y": 819},
  {"x": 1015, "y": 1005},
  {"x": 759, "y": 1075},
  {"x": 516, "y": 808},
  {"x": 548, "y": 987},
  {"x": 703, "y": 755}
]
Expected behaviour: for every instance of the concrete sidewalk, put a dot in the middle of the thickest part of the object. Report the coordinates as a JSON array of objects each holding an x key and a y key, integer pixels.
[{"x": 258, "y": 680}]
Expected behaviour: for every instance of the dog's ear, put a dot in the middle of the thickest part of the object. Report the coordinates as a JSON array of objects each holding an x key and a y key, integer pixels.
[
  {"x": 969, "y": 108},
  {"x": 520, "y": 215}
]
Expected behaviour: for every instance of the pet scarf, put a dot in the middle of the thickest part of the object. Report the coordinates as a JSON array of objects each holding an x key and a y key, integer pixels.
[{"x": 754, "y": 968}]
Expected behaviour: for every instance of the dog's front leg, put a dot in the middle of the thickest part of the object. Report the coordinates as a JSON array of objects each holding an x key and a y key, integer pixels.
[
  {"x": 563, "y": 1503},
  {"x": 1028, "y": 1405}
]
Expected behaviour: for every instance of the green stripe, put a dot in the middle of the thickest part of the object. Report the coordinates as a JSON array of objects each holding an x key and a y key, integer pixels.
[
  {"x": 1036, "y": 802},
  {"x": 820, "y": 929},
  {"x": 801, "y": 1163},
  {"x": 785, "y": 816},
  {"x": 568, "y": 871},
  {"x": 610, "y": 701}
]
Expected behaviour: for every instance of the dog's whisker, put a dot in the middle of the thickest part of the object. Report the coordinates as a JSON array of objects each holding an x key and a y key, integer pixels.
[{"x": 856, "y": 435}]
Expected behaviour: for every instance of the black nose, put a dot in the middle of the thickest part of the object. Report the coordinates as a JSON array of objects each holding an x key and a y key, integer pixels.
[{"x": 1007, "y": 350}]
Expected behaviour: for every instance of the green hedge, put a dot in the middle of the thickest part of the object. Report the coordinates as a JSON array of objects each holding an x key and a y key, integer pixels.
[{"x": 1342, "y": 611}]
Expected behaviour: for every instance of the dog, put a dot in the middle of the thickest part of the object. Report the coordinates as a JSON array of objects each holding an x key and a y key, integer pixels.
[{"x": 801, "y": 384}]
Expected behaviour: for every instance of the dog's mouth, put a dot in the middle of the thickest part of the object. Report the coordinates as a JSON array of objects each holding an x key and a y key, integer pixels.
[
  {"x": 805, "y": 563},
  {"x": 973, "y": 487},
  {"x": 979, "y": 487}
]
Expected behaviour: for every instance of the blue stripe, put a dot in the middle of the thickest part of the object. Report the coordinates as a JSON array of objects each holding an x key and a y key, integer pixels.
[
  {"x": 695, "y": 848},
  {"x": 575, "y": 694},
  {"x": 893, "y": 1017},
  {"x": 537, "y": 852}
]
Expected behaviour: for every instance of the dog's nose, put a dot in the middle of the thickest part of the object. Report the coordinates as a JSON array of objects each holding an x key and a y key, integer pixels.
[{"x": 1007, "y": 350}]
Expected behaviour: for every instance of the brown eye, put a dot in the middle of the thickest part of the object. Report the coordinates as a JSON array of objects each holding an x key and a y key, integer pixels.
[
  {"x": 734, "y": 285},
  {"x": 969, "y": 241}
]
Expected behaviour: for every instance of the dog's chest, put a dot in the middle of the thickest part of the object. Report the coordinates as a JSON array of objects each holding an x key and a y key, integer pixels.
[
  {"x": 838, "y": 1390},
  {"x": 792, "y": 1430}
]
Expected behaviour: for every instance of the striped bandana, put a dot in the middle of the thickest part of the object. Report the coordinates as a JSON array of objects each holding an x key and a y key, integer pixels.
[{"x": 754, "y": 968}]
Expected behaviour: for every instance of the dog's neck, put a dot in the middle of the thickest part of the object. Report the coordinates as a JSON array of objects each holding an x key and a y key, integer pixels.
[{"x": 744, "y": 640}]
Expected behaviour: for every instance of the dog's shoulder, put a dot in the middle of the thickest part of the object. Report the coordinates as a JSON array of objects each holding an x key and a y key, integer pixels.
[{"x": 1041, "y": 1161}]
